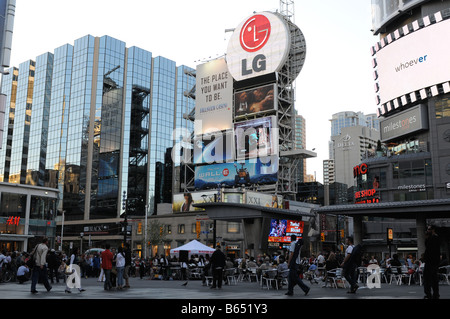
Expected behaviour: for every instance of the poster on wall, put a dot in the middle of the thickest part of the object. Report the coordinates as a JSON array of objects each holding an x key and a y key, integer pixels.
[
  {"x": 254, "y": 101},
  {"x": 213, "y": 98},
  {"x": 244, "y": 172}
]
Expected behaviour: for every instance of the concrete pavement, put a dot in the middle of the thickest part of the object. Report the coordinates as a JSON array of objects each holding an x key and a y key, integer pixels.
[{"x": 173, "y": 289}]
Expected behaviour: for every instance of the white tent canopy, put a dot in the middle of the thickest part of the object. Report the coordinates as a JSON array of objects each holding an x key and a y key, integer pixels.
[{"x": 194, "y": 248}]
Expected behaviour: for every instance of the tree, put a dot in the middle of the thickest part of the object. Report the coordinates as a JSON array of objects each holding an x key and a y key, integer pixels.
[{"x": 156, "y": 233}]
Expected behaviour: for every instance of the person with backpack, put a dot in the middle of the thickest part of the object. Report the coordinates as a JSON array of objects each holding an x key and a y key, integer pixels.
[
  {"x": 294, "y": 262},
  {"x": 350, "y": 264},
  {"x": 39, "y": 271}
]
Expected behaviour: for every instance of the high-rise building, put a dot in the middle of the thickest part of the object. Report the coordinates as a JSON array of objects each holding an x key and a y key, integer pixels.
[
  {"x": 300, "y": 143},
  {"x": 95, "y": 120},
  {"x": 352, "y": 135}
]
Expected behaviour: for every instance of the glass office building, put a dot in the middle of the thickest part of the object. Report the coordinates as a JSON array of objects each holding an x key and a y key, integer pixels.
[{"x": 95, "y": 120}]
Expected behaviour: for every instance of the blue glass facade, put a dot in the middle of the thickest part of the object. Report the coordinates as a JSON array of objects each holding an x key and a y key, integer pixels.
[{"x": 95, "y": 120}]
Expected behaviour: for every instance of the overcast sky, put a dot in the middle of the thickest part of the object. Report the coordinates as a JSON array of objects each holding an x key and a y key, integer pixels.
[{"x": 337, "y": 75}]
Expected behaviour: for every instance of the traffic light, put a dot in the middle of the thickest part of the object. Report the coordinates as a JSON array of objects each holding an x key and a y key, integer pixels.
[
  {"x": 198, "y": 228},
  {"x": 322, "y": 236},
  {"x": 390, "y": 236},
  {"x": 342, "y": 233}
]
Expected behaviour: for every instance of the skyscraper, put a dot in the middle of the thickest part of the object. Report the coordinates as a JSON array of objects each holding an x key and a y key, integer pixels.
[{"x": 95, "y": 120}]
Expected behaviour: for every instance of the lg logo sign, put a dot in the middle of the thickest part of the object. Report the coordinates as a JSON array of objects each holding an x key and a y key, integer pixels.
[
  {"x": 255, "y": 33},
  {"x": 260, "y": 45}
]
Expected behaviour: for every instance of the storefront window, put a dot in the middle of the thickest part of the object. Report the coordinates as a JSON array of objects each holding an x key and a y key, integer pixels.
[
  {"x": 42, "y": 208},
  {"x": 13, "y": 205}
]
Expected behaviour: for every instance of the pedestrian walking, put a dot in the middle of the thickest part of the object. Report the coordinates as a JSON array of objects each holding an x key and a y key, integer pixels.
[
  {"x": 218, "y": 261},
  {"x": 107, "y": 258},
  {"x": 53, "y": 265},
  {"x": 294, "y": 262},
  {"x": 120, "y": 267},
  {"x": 39, "y": 272},
  {"x": 74, "y": 271},
  {"x": 431, "y": 268},
  {"x": 126, "y": 273},
  {"x": 349, "y": 265}
]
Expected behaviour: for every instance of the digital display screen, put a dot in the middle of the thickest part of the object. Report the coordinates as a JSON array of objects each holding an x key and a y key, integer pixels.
[{"x": 282, "y": 229}]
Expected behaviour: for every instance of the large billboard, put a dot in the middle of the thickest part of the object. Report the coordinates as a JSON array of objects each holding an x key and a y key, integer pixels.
[
  {"x": 255, "y": 101},
  {"x": 256, "y": 138},
  {"x": 213, "y": 98},
  {"x": 248, "y": 172},
  {"x": 259, "y": 45},
  {"x": 413, "y": 62},
  {"x": 407, "y": 122},
  {"x": 214, "y": 148}
]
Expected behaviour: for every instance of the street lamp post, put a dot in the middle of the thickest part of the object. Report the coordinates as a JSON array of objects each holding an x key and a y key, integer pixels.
[
  {"x": 125, "y": 222},
  {"x": 145, "y": 232},
  {"x": 62, "y": 230}
]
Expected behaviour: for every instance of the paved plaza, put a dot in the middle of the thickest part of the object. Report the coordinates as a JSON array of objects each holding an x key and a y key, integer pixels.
[{"x": 174, "y": 289}]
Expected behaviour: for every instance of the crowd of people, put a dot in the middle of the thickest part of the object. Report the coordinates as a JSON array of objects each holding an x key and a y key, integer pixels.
[{"x": 113, "y": 267}]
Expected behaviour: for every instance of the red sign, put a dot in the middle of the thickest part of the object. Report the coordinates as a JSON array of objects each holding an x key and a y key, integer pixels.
[
  {"x": 225, "y": 172},
  {"x": 365, "y": 193},
  {"x": 360, "y": 170},
  {"x": 255, "y": 33},
  {"x": 13, "y": 220}
]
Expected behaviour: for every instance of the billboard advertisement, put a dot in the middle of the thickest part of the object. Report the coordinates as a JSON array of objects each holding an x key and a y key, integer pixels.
[
  {"x": 413, "y": 62},
  {"x": 214, "y": 148},
  {"x": 282, "y": 229},
  {"x": 258, "y": 46},
  {"x": 256, "y": 138},
  {"x": 254, "y": 101},
  {"x": 183, "y": 202},
  {"x": 266, "y": 200},
  {"x": 407, "y": 122},
  {"x": 213, "y": 98},
  {"x": 251, "y": 171}
]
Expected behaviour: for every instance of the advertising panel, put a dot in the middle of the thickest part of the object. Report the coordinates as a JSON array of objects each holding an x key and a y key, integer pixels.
[
  {"x": 183, "y": 202},
  {"x": 259, "y": 45},
  {"x": 256, "y": 138},
  {"x": 214, "y": 148},
  {"x": 255, "y": 101},
  {"x": 406, "y": 122},
  {"x": 251, "y": 171},
  {"x": 266, "y": 200},
  {"x": 213, "y": 98},
  {"x": 413, "y": 62},
  {"x": 282, "y": 229}
]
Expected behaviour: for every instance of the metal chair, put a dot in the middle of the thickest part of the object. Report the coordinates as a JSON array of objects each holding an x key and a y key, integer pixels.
[
  {"x": 446, "y": 274},
  {"x": 230, "y": 274},
  {"x": 396, "y": 276},
  {"x": 269, "y": 277},
  {"x": 362, "y": 275},
  {"x": 405, "y": 274},
  {"x": 335, "y": 277},
  {"x": 252, "y": 273}
]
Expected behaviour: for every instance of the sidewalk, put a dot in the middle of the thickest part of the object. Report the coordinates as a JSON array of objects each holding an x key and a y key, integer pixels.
[{"x": 158, "y": 289}]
